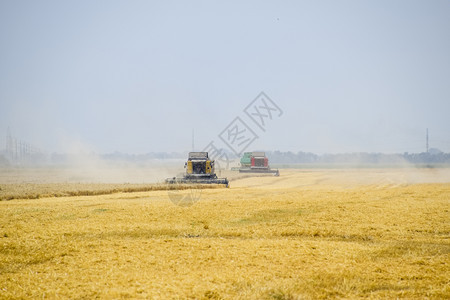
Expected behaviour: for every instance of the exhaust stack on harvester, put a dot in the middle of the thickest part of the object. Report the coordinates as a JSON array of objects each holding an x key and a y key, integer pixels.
[
  {"x": 256, "y": 162},
  {"x": 199, "y": 170}
]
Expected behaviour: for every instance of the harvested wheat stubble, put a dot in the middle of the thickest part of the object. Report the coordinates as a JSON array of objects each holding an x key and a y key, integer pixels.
[{"x": 306, "y": 235}]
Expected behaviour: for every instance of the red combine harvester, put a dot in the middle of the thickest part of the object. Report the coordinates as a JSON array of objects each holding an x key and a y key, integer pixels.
[{"x": 256, "y": 162}]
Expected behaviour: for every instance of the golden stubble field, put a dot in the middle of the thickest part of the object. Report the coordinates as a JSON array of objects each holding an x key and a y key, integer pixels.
[{"x": 308, "y": 234}]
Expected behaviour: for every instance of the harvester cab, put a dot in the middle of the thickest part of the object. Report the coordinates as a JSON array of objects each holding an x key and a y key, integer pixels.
[
  {"x": 199, "y": 169},
  {"x": 199, "y": 165}
]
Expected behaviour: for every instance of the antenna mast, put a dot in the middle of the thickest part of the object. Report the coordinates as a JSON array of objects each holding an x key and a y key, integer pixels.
[{"x": 193, "y": 148}]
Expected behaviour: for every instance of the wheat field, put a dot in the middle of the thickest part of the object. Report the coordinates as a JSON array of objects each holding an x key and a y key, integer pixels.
[{"x": 308, "y": 234}]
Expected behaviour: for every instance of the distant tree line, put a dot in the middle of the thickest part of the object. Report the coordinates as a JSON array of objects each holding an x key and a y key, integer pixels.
[{"x": 435, "y": 157}]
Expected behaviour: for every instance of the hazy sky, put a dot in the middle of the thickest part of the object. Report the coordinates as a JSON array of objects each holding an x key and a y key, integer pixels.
[{"x": 139, "y": 76}]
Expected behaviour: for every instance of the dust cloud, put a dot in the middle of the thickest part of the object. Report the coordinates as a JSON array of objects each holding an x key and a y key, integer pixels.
[{"x": 93, "y": 169}]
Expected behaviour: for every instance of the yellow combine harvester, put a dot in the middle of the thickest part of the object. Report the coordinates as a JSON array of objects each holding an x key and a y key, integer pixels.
[{"x": 199, "y": 169}]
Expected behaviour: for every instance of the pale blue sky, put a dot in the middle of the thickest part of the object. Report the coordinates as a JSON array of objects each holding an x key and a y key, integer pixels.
[{"x": 138, "y": 76}]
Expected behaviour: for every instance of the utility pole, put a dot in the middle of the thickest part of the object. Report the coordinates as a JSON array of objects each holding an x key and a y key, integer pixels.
[
  {"x": 8, "y": 143},
  {"x": 193, "y": 148}
]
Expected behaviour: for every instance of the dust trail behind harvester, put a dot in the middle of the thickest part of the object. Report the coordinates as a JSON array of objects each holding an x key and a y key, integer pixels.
[{"x": 91, "y": 168}]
